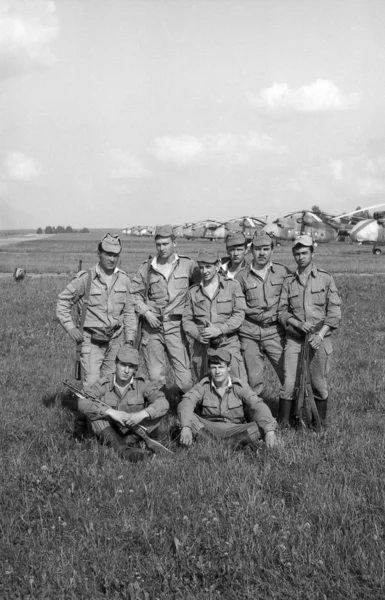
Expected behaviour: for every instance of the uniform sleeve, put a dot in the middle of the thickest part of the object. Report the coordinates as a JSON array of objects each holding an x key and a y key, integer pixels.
[
  {"x": 283, "y": 305},
  {"x": 188, "y": 324},
  {"x": 129, "y": 315},
  {"x": 187, "y": 406},
  {"x": 257, "y": 409},
  {"x": 239, "y": 307},
  {"x": 333, "y": 306},
  {"x": 156, "y": 404},
  {"x": 91, "y": 405},
  {"x": 138, "y": 289},
  {"x": 67, "y": 299}
]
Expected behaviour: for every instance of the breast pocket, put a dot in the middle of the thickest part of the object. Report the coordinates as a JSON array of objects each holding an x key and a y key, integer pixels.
[
  {"x": 253, "y": 294},
  {"x": 318, "y": 296},
  {"x": 224, "y": 306},
  {"x": 96, "y": 296},
  {"x": 294, "y": 299},
  {"x": 180, "y": 282},
  {"x": 235, "y": 408},
  {"x": 120, "y": 296},
  {"x": 210, "y": 407},
  {"x": 156, "y": 287},
  {"x": 275, "y": 288}
]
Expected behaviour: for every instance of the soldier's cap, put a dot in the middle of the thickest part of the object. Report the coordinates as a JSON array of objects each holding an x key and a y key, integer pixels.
[
  {"x": 128, "y": 354},
  {"x": 303, "y": 240},
  {"x": 219, "y": 353},
  {"x": 164, "y": 231},
  {"x": 111, "y": 243},
  {"x": 261, "y": 239},
  {"x": 235, "y": 238},
  {"x": 208, "y": 256}
]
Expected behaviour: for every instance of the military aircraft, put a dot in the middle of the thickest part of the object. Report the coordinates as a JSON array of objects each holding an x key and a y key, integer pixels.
[
  {"x": 370, "y": 231},
  {"x": 288, "y": 227}
]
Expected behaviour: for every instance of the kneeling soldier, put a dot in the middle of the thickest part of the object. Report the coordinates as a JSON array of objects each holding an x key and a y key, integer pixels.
[
  {"x": 214, "y": 311},
  {"x": 225, "y": 404},
  {"x": 116, "y": 404}
]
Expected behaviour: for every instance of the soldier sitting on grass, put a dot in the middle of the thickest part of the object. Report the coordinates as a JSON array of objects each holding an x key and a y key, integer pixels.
[
  {"x": 117, "y": 403},
  {"x": 225, "y": 405}
]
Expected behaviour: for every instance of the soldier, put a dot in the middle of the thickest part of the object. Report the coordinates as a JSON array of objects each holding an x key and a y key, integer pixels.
[
  {"x": 160, "y": 288},
  {"x": 261, "y": 334},
  {"x": 214, "y": 311},
  {"x": 118, "y": 402},
  {"x": 236, "y": 246},
  {"x": 109, "y": 315},
  {"x": 223, "y": 402},
  {"x": 309, "y": 303}
]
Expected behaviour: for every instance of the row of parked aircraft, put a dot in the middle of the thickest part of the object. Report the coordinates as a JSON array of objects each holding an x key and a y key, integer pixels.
[{"x": 322, "y": 227}]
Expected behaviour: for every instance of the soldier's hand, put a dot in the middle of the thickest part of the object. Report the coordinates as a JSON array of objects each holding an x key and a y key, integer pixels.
[
  {"x": 315, "y": 341},
  {"x": 135, "y": 418},
  {"x": 117, "y": 415},
  {"x": 76, "y": 335},
  {"x": 209, "y": 332},
  {"x": 186, "y": 437},
  {"x": 270, "y": 439},
  {"x": 152, "y": 319},
  {"x": 306, "y": 327}
]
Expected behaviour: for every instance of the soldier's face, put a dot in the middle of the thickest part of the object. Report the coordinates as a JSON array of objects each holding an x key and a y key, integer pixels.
[
  {"x": 303, "y": 256},
  {"x": 124, "y": 372},
  {"x": 262, "y": 255},
  {"x": 165, "y": 246},
  {"x": 219, "y": 373},
  {"x": 108, "y": 261},
  {"x": 237, "y": 254},
  {"x": 208, "y": 271}
]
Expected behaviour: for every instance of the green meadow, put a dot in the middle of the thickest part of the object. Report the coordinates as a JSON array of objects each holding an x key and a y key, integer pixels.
[{"x": 303, "y": 521}]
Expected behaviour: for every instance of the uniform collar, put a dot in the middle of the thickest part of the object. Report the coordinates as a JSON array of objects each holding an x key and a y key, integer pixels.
[
  {"x": 122, "y": 389},
  {"x": 269, "y": 266},
  {"x": 155, "y": 261},
  {"x": 229, "y": 384},
  {"x": 313, "y": 271},
  {"x": 100, "y": 274}
]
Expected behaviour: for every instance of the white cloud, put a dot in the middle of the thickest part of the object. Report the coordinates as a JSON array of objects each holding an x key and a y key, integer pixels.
[
  {"x": 19, "y": 167},
  {"x": 222, "y": 147},
  {"x": 322, "y": 95},
  {"x": 123, "y": 165},
  {"x": 360, "y": 174},
  {"x": 26, "y": 30}
]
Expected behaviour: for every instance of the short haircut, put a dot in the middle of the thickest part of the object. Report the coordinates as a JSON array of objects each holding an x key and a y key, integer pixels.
[
  {"x": 302, "y": 246},
  {"x": 215, "y": 360}
]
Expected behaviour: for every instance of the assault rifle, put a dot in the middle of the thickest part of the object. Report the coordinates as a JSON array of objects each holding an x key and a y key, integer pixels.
[
  {"x": 141, "y": 431},
  {"x": 138, "y": 339},
  {"x": 304, "y": 407}
]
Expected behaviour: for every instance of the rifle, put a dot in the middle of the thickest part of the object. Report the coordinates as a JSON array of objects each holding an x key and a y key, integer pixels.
[
  {"x": 140, "y": 430},
  {"x": 304, "y": 407},
  {"x": 138, "y": 339},
  {"x": 82, "y": 318}
]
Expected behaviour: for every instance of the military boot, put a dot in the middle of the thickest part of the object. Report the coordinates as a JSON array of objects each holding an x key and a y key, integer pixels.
[
  {"x": 322, "y": 406},
  {"x": 80, "y": 430},
  {"x": 284, "y": 413},
  {"x": 109, "y": 437}
]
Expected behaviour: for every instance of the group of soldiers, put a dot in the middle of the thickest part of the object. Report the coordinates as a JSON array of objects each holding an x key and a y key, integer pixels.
[{"x": 226, "y": 314}]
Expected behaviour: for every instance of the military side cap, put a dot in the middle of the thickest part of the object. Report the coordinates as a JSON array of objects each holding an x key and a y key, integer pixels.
[
  {"x": 208, "y": 256},
  {"x": 303, "y": 240},
  {"x": 164, "y": 231},
  {"x": 261, "y": 239},
  {"x": 111, "y": 243},
  {"x": 219, "y": 353},
  {"x": 128, "y": 354},
  {"x": 235, "y": 238}
]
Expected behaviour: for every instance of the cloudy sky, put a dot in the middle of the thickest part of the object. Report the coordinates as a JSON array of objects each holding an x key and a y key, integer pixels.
[{"x": 120, "y": 112}]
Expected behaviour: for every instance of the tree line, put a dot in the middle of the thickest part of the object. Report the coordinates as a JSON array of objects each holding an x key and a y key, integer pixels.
[{"x": 61, "y": 229}]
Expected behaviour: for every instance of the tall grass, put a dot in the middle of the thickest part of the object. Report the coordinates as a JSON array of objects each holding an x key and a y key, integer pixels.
[{"x": 305, "y": 521}]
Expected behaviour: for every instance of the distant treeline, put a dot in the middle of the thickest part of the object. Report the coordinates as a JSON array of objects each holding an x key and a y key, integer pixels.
[{"x": 61, "y": 229}]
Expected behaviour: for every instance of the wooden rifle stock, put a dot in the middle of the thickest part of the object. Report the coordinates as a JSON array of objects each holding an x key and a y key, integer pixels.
[
  {"x": 305, "y": 412},
  {"x": 138, "y": 339}
]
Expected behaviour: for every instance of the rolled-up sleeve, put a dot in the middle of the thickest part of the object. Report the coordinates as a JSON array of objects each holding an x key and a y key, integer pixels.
[{"x": 156, "y": 403}]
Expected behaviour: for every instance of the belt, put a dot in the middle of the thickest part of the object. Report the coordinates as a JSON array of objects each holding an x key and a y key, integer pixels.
[
  {"x": 166, "y": 318},
  {"x": 263, "y": 324}
]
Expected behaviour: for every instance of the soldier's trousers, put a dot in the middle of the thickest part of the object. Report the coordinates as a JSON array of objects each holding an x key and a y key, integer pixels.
[
  {"x": 98, "y": 360},
  {"x": 319, "y": 368},
  {"x": 225, "y": 431},
  {"x": 200, "y": 363},
  {"x": 129, "y": 436},
  {"x": 168, "y": 340},
  {"x": 267, "y": 342}
]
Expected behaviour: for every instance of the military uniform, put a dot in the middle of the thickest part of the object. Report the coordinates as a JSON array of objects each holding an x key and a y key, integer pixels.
[
  {"x": 314, "y": 300},
  {"x": 136, "y": 396},
  {"x": 225, "y": 268},
  {"x": 261, "y": 334},
  {"x": 110, "y": 311},
  {"x": 224, "y": 417},
  {"x": 225, "y": 310},
  {"x": 166, "y": 298}
]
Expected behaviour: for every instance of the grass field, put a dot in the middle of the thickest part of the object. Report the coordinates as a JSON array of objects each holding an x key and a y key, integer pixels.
[{"x": 304, "y": 521}]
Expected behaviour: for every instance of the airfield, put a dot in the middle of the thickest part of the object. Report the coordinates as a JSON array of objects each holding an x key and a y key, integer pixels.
[{"x": 304, "y": 521}]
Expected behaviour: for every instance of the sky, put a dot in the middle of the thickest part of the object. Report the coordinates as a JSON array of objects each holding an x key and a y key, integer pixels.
[{"x": 126, "y": 112}]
